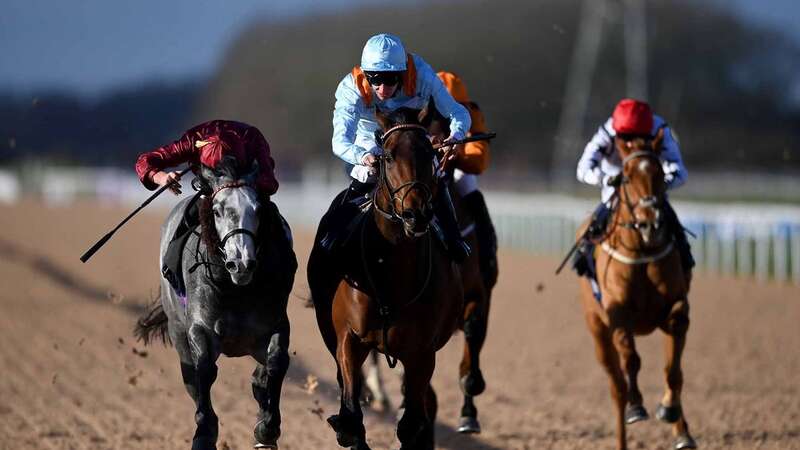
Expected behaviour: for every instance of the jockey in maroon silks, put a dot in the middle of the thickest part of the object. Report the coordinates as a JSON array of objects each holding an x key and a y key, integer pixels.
[{"x": 206, "y": 144}]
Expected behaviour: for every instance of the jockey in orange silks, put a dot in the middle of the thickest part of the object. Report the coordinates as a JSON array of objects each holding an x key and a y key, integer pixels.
[{"x": 472, "y": 159}]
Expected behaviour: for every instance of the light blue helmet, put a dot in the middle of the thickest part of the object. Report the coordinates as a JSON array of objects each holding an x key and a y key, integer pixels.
[{"x": 383, "y": 53}]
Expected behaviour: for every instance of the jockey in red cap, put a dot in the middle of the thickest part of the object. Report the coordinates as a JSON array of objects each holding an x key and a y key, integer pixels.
[
  {"x": 600, "y": 165},
  {"x": 206, "y": 144}
]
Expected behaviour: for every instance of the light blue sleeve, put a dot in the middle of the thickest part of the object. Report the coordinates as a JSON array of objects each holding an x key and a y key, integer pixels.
[
  {"x": 460, "y": 120},
  {"x": 346, "y": 114},
  {"x": 675, "y": 172}
]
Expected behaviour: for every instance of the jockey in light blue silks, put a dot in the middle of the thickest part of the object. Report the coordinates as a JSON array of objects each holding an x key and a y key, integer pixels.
[
  {"x": 600, "y": 165},
  {"x": 387, "y": 79}
]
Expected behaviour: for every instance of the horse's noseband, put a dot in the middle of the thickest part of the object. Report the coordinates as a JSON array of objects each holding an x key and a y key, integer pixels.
[{"x": 235, "y": 231}]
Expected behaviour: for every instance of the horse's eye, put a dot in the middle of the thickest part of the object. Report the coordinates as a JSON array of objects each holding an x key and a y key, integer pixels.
[{"x": 217, "y": 213}]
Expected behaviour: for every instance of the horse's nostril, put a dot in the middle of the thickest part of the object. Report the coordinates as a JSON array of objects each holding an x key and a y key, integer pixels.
[
  {"x": 250, "y": 265},
  {"x": 231, "y": 266}
]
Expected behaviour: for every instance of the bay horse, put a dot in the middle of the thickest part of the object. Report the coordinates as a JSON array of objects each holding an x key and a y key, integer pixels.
[
  {"x": 238, "y": 267},
  {"x": 392, "y": 287},
  {"x": 477, "y": 285},
  {"x": 642, "y": 287}
]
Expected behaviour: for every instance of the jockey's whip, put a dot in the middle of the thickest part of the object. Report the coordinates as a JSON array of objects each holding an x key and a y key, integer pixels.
[
  {"x": 85, "y": 257},
  {"x": 580, "y": 239}
]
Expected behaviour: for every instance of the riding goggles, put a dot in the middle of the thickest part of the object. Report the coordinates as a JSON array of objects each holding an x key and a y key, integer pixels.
[{"x": 385, "y": 78}]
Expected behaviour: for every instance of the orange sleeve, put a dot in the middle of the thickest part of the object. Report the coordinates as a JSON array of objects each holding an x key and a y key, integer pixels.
[{"x": 474, "y": 157}]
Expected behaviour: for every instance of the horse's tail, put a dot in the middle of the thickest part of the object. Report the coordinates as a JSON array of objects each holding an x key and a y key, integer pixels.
[{"x": 152, "y": 324}]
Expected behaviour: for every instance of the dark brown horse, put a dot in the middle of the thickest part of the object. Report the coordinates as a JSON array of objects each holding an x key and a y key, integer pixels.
[
  {"x": 643, "y": 287},
  {"x": 478, "y": 286},
  {"x": 392, "y": 287}
]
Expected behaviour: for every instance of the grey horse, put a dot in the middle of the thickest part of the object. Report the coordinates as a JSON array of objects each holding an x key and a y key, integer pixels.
[{"x": 237, "y": 290}]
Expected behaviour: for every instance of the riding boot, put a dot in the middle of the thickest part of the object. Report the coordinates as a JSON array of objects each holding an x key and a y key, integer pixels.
[
  {"x": 582, "y": 260},
  {"x": 484, "y": 230},
  {"x": 342, "y": 213},
  {"x": 446, "y": 217},
  {"x": 679, "y": 236}
]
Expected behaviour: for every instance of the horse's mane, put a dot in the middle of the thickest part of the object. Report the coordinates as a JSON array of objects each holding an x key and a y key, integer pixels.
[{"x": 208, "y": 231}]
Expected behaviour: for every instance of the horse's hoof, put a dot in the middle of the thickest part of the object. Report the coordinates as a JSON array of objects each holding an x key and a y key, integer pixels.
[
  {"x": 668, "y": 414},
  {"x": 204, "y": 443},
  {"x": 685, "y": 441},
  {"x": 468, "y": 425},
  {"x": 266, "y": 436},
  {"x": 473, "y": 385},
  {"x": 343, "y": 438},
  {"x": 635, "y": 413}
]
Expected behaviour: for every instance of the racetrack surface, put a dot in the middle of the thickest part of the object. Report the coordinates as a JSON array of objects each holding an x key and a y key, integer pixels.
[{"x": 72, "y": 376}]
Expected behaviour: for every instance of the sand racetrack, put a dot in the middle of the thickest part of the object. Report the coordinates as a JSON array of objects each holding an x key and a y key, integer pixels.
[{"x": 72, "y": 377}]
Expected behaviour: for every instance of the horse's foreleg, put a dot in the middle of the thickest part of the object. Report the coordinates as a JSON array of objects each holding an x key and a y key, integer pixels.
[
  {"x": 670, "y": 409},
  {"x": 349, "y": 423},
  {"x": 415, "y": 429},
  {"x": 609, "y": 359},
  {"x": 267, "y": 383},
  {"x": 470, "y": 376},
  {"x": 631, "y": 363},
  {"x": 205, "y": 351}
]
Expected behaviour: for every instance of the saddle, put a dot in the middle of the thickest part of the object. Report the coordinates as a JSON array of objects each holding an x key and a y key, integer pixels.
[{"x": 171, "y": 268}]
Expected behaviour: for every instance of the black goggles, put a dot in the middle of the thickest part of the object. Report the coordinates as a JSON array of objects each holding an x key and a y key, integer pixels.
[{"x": 385, "y": 78}]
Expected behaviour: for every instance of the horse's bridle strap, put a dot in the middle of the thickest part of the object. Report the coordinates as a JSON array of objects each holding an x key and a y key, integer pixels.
[
  {"x": 632, "y": 261},
  {"x": 234, "y": 232},
  {"x": 228, "y": 186},
  {"x": 403, "y": 126}
]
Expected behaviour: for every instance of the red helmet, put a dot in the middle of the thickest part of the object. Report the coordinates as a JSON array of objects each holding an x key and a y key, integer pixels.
[
  {"x": 214, "y": 148},
  {"x": 632, "y": 117}
]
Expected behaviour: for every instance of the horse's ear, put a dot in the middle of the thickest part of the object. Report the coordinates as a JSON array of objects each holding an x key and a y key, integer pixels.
[
  {"x": 252, "y": 175},
  {"x": 383, "y": 119},
  {"x": 658, "y": 141},
  {"x": 425, "y": 116},
  {"x": 208, "y": 175}
]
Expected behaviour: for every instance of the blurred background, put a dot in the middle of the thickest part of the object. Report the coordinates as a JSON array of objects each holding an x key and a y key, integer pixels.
[{"x": 86, "y": 86}]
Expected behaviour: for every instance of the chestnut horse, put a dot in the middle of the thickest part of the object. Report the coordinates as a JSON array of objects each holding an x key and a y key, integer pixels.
[
  {"x": 642, "y": 286},
  {"x": 392, "y": 287}
]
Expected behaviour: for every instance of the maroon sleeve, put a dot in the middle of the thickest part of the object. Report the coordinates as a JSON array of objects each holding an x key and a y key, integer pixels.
[
  {"x": 266, "y": 165},
  {"x": 180, "y": 151}
]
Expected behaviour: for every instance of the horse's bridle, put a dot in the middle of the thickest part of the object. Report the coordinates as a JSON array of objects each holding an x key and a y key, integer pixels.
[
  {"x": 235, "y": 231},
  {"x": 650, "y": 201},
  {"x": 392, "y": 193}
]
